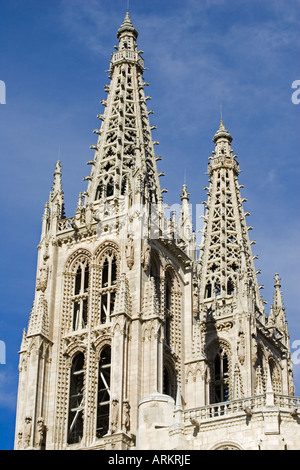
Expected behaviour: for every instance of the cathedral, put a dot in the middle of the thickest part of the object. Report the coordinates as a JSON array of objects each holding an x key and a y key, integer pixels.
[{"x": 138, "y": 338}]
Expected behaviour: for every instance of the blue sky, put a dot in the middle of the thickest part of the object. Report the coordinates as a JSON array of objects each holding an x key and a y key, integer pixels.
[{"x": 200, "y": 53}]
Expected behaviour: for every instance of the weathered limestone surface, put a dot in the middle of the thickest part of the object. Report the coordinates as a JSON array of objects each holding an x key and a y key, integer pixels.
[{"x": 137, "y": 338}]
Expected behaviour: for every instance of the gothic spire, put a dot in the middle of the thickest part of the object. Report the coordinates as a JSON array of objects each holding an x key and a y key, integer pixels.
[
  {"x": 226, "y": 261},
  {"x": 56, "y": 200},
  {"x": 278, "y": 302},
  {"x": 277, "y": 317},
  {"x": 124, "y": 163}
]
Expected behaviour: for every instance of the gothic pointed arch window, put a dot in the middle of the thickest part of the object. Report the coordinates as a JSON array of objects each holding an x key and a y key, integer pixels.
[
  {"x": 80, "y": 296},
  {"x": 99, "y": 191},
  {"x": 110, "y": 188},
  {"x": 230, "y": 286},
  {"x": 208, "y": 290},
  {"x": 76, "y": 395},
  {"x": 169, "y": 380},
  {"x": 103, "y": 394},
  {"x": 220, "y": 377},
  {"x": 108, "y": 285},
  {"x": 217, "y": 287},
  {"x": 168, "y": 307}
]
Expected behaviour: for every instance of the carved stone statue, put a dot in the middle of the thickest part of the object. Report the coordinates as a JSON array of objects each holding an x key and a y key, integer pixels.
[
  {"x": 42, "y": 280},
  {"x": 145, "y": 256},
  {"x": 130, "y": 252},
  {"x": 41, "y": 431},
  {"x": 27, "y": 431},
  {"x": 126, "y": 415},
  {"x": 114, "y": 415},
  {"x": 20, "y": 440}
]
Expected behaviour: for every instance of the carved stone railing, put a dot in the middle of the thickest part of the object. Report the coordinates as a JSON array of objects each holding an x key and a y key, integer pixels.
[
  {"x": 286, "y": 401},
  {"x": 127, "y": 55},
  {"x": 64, "y": 225},
  {"x": 245, "y": 405},
  {"x": 218, "y": 410}
]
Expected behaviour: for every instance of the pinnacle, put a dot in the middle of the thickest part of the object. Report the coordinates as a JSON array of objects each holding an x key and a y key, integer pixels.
[
  {"x": 222, "y": 132},
  {"x": 127, "y": 26},
  {"x": 57, "y": 177},
  {"x": 222, "y": 127},
  {"x": 184, "y": 194}
]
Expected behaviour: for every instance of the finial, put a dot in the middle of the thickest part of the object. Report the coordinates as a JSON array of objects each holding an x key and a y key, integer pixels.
[
  {"x": 277, "y": 280},
  {"x": 184, "y": 193},
  {"x": 57, "y": 177},
  {"x": 127, "y": 26},
  {"x": 222, "y": 132}
]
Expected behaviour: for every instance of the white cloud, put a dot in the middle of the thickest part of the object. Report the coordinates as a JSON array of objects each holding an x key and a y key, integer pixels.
[{"x": 7, "y": 388}]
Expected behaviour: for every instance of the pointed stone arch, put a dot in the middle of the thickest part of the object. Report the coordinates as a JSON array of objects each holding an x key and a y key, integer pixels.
[
  {"x": 100, "y": 343},
  {"x": 75, "y": 258},
  {"x": 72, "y": 349},
  {"x": 219, "y": 355},
  {"x": 106, "y": 246}
]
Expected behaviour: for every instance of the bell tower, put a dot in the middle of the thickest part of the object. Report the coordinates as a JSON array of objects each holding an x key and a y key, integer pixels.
[
  {"x": 236, "y": 347},
  {"x": 138, "y": 338}
]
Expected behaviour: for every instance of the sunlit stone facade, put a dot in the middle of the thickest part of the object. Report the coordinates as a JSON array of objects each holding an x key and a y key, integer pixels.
[{"x": 138, "y": 338}]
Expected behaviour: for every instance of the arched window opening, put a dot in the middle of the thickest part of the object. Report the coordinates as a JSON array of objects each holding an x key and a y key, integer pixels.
[
  {"x": 103, "y": 396},
  {"x": 99, "y": 192},
  {"x": 80, "y": 298},
  {"x": 168, "y": 329},
  {"x": 86, "y": 278},
  {"x": 108, "y": 287},
  {"x": 221, "y": 377},
  {"x": 113, "y": 271},
  {"x": 110, "y": 188},
  {"x": 169, "y": 382},
  {"x": 218, "y": 288},
  {"x": 168, "y": 294},
  {"x": 208, "y": 291},
  {"x": 124, "y": 186},
  {"x": 230, "y": 286},
  {"x": 78, "y": 280},
  {"x": 105, "y": 273},
  {"x": 75, "y": 418}
]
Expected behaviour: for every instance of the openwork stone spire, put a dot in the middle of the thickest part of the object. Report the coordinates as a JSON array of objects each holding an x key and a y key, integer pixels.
[
  {"x": 226, "y": 261},
  {"x": 124, "y": 161}
]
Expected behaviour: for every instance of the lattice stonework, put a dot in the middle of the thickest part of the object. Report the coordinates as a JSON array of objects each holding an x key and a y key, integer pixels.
[{"x": 137, "y": 338}]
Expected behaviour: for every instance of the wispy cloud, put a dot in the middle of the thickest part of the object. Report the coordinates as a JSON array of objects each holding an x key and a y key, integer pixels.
[{"x": 7, "y": 388}]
